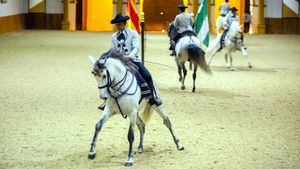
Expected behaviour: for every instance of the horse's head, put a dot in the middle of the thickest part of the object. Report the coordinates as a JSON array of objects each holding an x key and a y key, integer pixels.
[
  {"x": 171, "y": 30},
  {"x": 102, "y": 75},
  {"x": 236, "y": 29},
  {"x": 109, "y": 70}
]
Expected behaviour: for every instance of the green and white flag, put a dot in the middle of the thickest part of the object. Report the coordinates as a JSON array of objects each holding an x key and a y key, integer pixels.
[{"x": 201, "y": 24}]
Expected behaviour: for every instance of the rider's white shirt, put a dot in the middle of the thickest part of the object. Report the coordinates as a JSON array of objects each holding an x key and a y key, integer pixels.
[
  {"x": 183, "y": 22},
  {"x": 232, "y": 17},
  {"x": 130, "y": 46}
]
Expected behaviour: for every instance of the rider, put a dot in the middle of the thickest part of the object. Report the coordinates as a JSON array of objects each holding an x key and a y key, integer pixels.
[
  {"x": 126, "y": 41},
  {"x": 226, "y": 22},
  {"x": 183, "y": 22},
  {"x": 224, "y": 8}
]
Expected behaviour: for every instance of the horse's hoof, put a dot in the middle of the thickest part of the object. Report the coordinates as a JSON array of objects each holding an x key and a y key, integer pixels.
[
  {"x": 140, "y": 150},
  {"x": 128, "y": 163},
  {"x": 231, "y": 68},
  {"x": 194, "y": 90},
  {"x": 180, "y": 147},
  {"x": 182, "y": 87},
  {"x": 92, "y": 156},
  {"x": 250, "y": 66}
]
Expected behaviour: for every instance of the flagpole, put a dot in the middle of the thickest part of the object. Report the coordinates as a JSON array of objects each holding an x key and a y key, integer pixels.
[{"x": 142, "y": 35}]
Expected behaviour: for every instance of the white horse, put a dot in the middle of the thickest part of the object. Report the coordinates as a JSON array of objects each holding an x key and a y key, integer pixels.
[
  {"x": 117, "y": 84},
  {"x": 233, "y": 42},
  {"x": 188, "y": 48}
]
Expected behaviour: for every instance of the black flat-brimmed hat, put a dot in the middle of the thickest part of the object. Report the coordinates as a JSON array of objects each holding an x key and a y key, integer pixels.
[
  {"x": 119, "y": 18},
  {"x": 233, "y": 9},
  {"x": 182, "y": 6}
]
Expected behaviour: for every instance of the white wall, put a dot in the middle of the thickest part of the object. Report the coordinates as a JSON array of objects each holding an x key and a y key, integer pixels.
[
  {"x": 54, "y": 7},
  {"x": 273, "y": 9},
  {"x": 13, "y": 7}
]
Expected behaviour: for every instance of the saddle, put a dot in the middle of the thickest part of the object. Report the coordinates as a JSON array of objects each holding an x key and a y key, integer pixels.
[
  {"x": 222, "y": 41},
  {"x": 187, "y": 33}
]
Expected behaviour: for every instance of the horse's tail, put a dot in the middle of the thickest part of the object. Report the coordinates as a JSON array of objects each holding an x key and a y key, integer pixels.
[
  {"x": 214, "y": 44},
  {"x": 197, "y": 55},
  {"x": 147, "y": 113}
]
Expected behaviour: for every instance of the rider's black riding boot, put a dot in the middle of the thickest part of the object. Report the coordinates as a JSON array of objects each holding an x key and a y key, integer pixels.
[
  {"x": 172, "y": 47},
  {"x": 102, "y": 106},
  {"x": 155, "y": 99}
]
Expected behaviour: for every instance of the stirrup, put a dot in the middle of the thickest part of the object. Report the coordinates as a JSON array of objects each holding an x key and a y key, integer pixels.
[
  {"x": 173, "y": 53},
  {"x": 156, "y": 102},
  {"x": 102, "y": 106}
]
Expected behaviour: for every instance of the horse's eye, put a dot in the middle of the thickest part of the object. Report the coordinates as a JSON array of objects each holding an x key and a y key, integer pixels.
[{"x": 104, "y": 76}]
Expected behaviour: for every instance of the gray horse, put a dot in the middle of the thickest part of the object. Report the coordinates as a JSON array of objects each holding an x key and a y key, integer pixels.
[
  {"x": 117, "y": 84},
  {"x": 188, "y": 49}
]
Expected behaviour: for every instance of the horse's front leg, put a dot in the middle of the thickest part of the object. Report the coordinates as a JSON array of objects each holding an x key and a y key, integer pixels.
[
  {"x": 130, "y": 137},
  {"x": 141, "y": 127},
  {"x": 194, "y": 77},
  {"x": 168, "y": 124},
  {"x": 212, "y": 56},
  {"x": 226, "y": 60},
  {"x": 178, "y": 69},
  {"x": 231, "y": 65},
  {"x": 105, "y": 116},
  {"x": 184, "y": 75},
  {"x": 246, "y": 56}
]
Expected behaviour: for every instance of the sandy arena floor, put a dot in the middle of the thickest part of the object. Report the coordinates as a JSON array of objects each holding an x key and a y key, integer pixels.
[{"x": 248, "y": 118}]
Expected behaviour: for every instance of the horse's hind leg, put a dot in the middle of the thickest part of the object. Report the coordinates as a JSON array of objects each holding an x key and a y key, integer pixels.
[
  {"x": 106, "y": 115},
  {"x": 194, "y": 77},
  {"x": 246, "y": 56},
  {"x": 130, "y": 136},
  {"x": 184, "y": 75},
  {"x": 168, "y": 124},
  {"x": 179, "y": 69},
  {"x": 141, "y": 127}
]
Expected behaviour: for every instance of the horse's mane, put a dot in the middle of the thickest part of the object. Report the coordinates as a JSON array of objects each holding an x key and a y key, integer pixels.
[
  {"x": 113, "y": 53},
  {"x": 235, "y": 24}
]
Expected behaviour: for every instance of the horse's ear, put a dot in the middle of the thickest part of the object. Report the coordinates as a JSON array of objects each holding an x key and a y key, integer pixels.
[{"x": 92, "y": 60}]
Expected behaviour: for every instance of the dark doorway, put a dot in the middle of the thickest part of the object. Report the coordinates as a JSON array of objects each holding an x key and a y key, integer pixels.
[
  {"x": 247, "y": 5},
  {"x": 159, "y": 12},
  {"x": 79, "y": 15}
]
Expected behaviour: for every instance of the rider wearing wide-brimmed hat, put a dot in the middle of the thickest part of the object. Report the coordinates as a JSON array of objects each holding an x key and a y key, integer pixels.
[
  {"x": 226, "y": 22},
  {"x": 183, "y": 22},
  {"x": 127, "y": 42}
]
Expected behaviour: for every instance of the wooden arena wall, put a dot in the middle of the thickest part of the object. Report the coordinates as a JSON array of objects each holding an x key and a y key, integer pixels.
[{"x": 282, "y": 25}]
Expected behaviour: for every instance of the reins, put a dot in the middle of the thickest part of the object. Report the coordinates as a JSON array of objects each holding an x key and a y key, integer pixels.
[{"x": 115, "y": 94}]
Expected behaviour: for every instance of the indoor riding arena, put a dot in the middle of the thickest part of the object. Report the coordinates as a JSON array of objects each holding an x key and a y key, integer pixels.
[{"x": 242, "y": 118}]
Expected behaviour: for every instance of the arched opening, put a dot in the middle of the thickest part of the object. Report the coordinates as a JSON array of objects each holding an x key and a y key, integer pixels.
[{"x": 158, "y": 13}]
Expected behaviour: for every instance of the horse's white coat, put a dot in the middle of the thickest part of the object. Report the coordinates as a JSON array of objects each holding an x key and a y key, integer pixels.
[{"x": 233, "y": 42}]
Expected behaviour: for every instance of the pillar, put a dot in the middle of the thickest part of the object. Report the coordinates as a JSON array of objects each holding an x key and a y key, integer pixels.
[
  {"x": 261, "y": 27},
  {"x": 195, "y": 8},
  {"x": 119, "y": 6},
  {"x": 66, "y": 21}
]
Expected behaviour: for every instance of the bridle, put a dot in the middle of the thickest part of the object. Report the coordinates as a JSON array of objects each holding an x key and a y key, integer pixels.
[{"x": 115, "y": 90}]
